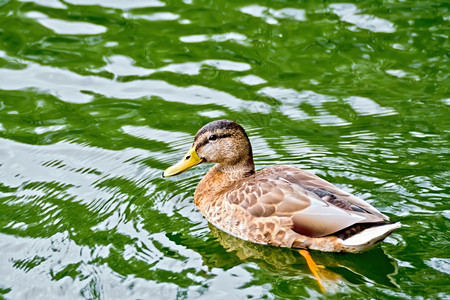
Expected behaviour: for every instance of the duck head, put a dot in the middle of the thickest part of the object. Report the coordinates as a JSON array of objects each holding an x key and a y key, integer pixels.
[{"x": 224, "y": 142}]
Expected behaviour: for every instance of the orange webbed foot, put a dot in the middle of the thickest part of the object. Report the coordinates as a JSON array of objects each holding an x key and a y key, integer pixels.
[{"x": 321, "y": 274}]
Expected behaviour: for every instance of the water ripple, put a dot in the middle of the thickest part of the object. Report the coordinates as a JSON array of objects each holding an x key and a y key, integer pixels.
[
  {"x": 124, "y": 66},
  {"x": 174, "y": 139},
  {"x": 97, "y": 97},
  {"x": 120, "y": 4},
  {"x": 365, "y": 106},
  {"x": 351, "y": 14},
  {"x": 72, "y": 87},
  {"x": 292, "y": 99},
  {"x": 159, "y": 16},
  {"x": 47, "y": 3},
  {"x": 200, "y": 38},
  {"x": 66, "y": 27},
  {"x": 271, "y": 15},
  {"x": 251, "y": 80}
]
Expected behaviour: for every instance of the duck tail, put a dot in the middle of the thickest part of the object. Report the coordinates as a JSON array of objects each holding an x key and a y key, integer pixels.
[{"x": 369, "y": 237}]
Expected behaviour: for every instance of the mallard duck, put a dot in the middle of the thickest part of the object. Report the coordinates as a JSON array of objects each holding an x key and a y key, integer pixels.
[{"x": 279, "y": 205}]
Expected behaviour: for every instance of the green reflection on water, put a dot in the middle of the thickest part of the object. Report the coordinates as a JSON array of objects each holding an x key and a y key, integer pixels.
[{"x": 97, "y": 98}]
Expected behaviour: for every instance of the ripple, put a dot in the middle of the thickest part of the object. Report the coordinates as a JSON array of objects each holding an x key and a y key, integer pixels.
[
  {"x": 299, "y": 148},
  {"x": 72, "y": 87},
  {"x": 439, "y": 264},
  {"x": 159, "y": 16},
  {"x": 402, "y": 74},
  {"x": 66, "y": 27},
  {"x": 239, "y": 279},
  {"x": 351, "y": 14},
  {"x": 47, "y": 3},
  {"x": 61, "y": 169},
  {"x": 45, "y": 129},
  {"x": 98, "y": 96},
  {"x": 251, "y": 80},
  {"x": 120, "y": 4},
  {"x": 176, "y": 140},
  {"x": 200, "y": 38},
  {"x": 291, "y": 99},
  {"x": 261, "y": 148},
  {"x": 366, "y": 107},
  {"x": 193, "y": 68},
  {"x": 121, "y": 65},
  {"x": 79, "y": 269},
  {"x": 212, "y": 114},
  {"x": 270, "y": 15}
]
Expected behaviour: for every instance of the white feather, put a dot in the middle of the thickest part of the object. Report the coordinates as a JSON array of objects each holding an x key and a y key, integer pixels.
[{"x": 371, "y": 235}]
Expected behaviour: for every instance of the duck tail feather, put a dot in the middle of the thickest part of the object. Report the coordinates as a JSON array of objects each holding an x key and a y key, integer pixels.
[{"x": 371, "y": 236}]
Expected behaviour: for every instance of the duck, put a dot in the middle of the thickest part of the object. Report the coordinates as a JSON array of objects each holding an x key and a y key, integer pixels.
[{"x": 279, "y": 205}]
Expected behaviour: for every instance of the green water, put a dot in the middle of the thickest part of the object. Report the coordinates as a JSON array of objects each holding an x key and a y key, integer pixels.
[{"x": 98, "y": 97}]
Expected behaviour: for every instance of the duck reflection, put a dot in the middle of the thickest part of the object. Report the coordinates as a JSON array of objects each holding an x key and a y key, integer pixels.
[{"x": 371, "y": 266}]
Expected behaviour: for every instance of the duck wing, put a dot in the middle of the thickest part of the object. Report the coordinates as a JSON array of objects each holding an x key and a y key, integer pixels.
[
  {"x": 315, "y": 207},
  {"x": 324, "y": 189}
]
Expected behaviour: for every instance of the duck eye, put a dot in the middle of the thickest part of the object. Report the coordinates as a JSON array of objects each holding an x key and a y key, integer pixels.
[{"x": 213, "y": 137}]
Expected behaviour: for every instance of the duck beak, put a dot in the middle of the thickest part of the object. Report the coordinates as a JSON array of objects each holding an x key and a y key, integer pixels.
[{"x": 189, "y": 160}]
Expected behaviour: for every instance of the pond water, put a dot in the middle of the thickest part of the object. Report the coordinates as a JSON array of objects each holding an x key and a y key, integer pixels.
[{"x": 98, "y": 97}]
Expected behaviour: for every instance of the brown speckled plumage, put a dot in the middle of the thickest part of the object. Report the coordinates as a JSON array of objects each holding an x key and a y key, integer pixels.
[{"x": 280, "y": 205}]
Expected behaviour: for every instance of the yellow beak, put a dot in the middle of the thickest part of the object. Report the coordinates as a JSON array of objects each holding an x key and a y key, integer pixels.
[{"x": 189, "y": 160}]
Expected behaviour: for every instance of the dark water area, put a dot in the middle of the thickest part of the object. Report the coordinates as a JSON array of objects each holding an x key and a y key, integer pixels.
[{"x": 98, "y": 97}]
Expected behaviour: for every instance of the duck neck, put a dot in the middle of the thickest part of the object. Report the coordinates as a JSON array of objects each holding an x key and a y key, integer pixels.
[
  {"x": 239, "y": 170},
  {"x": 241, "y": 165},
  {"x": 219, "y": 178}
]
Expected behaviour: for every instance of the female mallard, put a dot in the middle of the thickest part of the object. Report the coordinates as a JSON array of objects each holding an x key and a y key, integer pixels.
[{"x": 280, "y": 205}]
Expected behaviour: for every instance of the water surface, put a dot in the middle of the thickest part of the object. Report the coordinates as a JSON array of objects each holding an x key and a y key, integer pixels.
[{"x": 98, "y": 97}]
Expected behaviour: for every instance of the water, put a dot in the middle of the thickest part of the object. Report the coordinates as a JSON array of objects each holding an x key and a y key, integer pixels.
[{"x": 98, "y": 97}]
